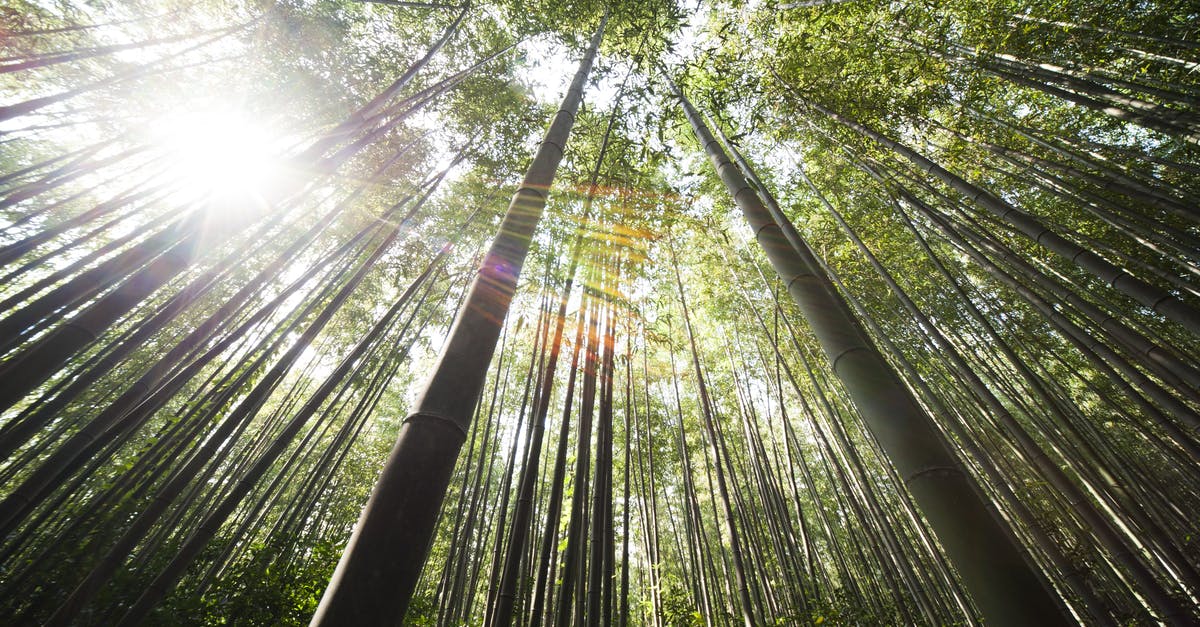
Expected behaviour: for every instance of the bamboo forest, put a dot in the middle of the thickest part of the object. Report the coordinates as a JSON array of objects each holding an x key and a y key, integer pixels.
[{"x": 600, "y": 312}]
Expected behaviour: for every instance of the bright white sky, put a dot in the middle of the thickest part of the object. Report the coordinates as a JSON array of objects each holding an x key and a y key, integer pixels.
[{"x": 551, "y": 65}]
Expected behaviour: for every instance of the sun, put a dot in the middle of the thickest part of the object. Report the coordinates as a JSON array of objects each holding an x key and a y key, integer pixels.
[{"x": 221, "y": 157}]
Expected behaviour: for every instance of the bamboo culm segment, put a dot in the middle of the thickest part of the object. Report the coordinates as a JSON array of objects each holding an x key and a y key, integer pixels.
[
  {"x": 379, "y": 569},
  {"x": 1006, "y": 588}
]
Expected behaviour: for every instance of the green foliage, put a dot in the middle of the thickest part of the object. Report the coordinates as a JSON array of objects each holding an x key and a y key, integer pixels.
[{"x": 833, "y": 531}]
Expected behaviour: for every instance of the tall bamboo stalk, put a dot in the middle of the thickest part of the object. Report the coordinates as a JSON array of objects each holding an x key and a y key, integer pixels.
[
  {"x": 979, "y": 545},
  {"x": 378, "y": 571}
]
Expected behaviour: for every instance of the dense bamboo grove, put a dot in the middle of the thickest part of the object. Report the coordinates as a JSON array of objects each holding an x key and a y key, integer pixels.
[{"x": 353, "y": 312}]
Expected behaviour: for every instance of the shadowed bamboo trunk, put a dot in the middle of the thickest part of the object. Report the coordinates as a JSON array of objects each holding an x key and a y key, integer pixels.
[
  {"x": 519, "y": 530},
  {"x": 378, "y": 572},
  {"x": 576, "y": 527},
  {"x": 1158, "y": 300},
  {"x": 520, "y": 526},
  {"x": 1108, "y": 535},
  {"x": 542, "y": 588},
  {"x": 746, "y": 606},
  {"x": 146, "y": 395},
  {"x": 978, "y": 544},
  {"x": 245, "y": 410}
]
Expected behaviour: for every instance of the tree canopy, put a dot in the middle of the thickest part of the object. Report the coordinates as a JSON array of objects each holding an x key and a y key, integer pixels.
[{"x": 638, "y": 313}]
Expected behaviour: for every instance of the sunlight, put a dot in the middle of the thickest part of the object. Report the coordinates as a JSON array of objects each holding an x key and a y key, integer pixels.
[{"x": 222, "y": 157}]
